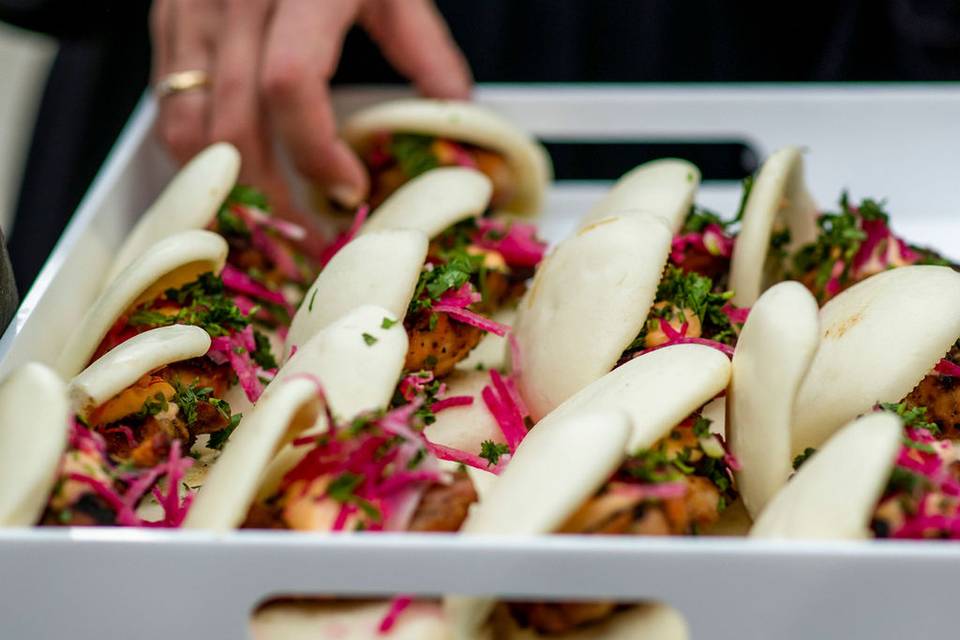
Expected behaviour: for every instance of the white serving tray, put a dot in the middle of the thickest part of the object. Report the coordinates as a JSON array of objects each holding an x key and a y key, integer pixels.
[{"x": 890, "y": 141}]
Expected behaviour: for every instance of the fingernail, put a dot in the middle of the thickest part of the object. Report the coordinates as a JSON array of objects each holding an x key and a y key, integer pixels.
[{"x": 345, "y": 195}]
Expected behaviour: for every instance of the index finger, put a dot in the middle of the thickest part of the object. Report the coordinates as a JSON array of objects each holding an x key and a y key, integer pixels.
[{"x": 303, "y": 48}]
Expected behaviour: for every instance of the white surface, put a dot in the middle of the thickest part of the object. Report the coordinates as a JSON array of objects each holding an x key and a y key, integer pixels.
[{"x": 726, "y": 589}]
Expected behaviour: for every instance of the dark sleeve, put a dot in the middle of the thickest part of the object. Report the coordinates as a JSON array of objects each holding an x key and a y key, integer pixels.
[{"x": 71, "y": 18}]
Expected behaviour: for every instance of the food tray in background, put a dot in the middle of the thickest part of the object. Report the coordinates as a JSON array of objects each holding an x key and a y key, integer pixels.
[{"x": 897, "y": 142}]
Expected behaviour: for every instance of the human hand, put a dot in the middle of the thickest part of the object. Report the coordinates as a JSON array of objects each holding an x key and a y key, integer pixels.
[{"x": 270, "y": 63}]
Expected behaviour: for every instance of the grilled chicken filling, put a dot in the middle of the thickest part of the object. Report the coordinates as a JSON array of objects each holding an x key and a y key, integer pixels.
[
  {"x": 677, "y": 487},
  {"x": 395, "y": 159},
  {"x": 178, "y": 402}
]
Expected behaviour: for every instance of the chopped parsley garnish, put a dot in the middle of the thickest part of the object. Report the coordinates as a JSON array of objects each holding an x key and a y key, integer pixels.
[
  {"x": 388, "y": 323},
  {"x": 492, "y": 451},
  {"x": 187, "y": 397},
  {"x": 249, "y": 196},
  {"x": 152, "y": 406},
  {"x": 219, "y": 438},
  {"x": 913, "y": 417},
  {"x": 701, "y": 427},
  {"x": 202, "y": 303},
  {"x": 700, "y": 218},
  {"x": 263, "y": 355},
  {"x": 342, "y": 489},
  {"x": 665, "y": 462},
  {"x": 313, "y": 297},
  {"x": 370, "y": 339},
  {"x": 413, "y": 153},
  {"x": 689, "y": 290},
  {"x": 436, "y": 279},
  {"x": 803, "y": 457}
]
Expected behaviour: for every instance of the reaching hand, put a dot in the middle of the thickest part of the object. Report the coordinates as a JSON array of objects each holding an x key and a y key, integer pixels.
[{"x": 269, "y": 63}]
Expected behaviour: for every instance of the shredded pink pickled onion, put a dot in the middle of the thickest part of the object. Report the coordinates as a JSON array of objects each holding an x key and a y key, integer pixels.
[
  {"x": 255, "y": 217},
  {"x": 449, "y": 403},
  {"x": 680, "y": 337},
  {"x": 713, "y": 240},
  {"x": 174, "y": 511},
  {"x": 466, "y": 316},
  {"x": 280, "y": 254},
  {"x": 515, "y": 241},
  {"x": 947, "y": 368},
  {"x": 442, "y": 452},
  {"x": 832, "y": 286},
  {"x": 736, "y": 315},
  {"x": 245, "y": 304},
  {"x": 397, "y": 606},
  {"x": 341, "y": 240},
  {"x": 414, "y": 384},
  {"x": 240, "y": 282},
  {"x": 236, "y": 349},
  {"x": 664, "y": 491},
  {"x": 461, "y": 157},
  {"x": 509, "y": 414},
  {"x": 460, "y": 298}
]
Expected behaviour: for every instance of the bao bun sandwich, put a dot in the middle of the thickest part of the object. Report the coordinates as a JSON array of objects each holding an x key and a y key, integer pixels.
[
  {"x": 608, "y": 461},
  {"x": 176, "y": 282},
  {"x": 400, "y": 140},
  {"x": 443, "y": 270}
]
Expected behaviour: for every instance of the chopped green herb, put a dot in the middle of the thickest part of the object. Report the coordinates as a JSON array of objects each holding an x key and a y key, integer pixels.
[
  {"x": 263, "y": 355},
  {"x": 413, "y": 153},
  {"x": 313, "y": 297},
  {"x": 492, "y": 451},
  {"x": 369, "y": 339},
  {"x": 803, "y": 457},
  {"x": 701, "y": 427},
  {"x": 187, "y": 397},
  {"x": 744, "y": 196},
  {"x": 912, "y": 416},
  {"x": 342, "y": 487},
  {"x": 388, "y": 323},
  {"x": 203, "y": 303}
]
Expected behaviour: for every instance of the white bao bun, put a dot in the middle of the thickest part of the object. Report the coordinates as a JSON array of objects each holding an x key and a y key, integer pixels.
[
  {"x": 34, "y": 423},
  {"x": 657, "y": 390},
  {"x": 380, "y": 268},
  {"x": 123, "y": 365},
  {"x": 231, "y": 485},
  {"x": 774, "y": 351},
  {"x": 878, "y": 339},
  {"x": 190, "y": 201},
  {"x": 356, "y": 376},
  {"x": 779, "y": 196},
  {"x": 552, "y": 473},
  {"x": 433, "y": 202},
  {"x": 835, "y": 492},
  {"x": 588, "y": 301},
  {"x": 664, "y": 188},
  {"x": 170, "y": 263},
  {"x": 465, "y": 122}
]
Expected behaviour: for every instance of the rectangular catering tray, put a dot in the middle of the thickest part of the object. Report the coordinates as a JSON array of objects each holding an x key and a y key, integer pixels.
[{"x": 899, "y": 142}]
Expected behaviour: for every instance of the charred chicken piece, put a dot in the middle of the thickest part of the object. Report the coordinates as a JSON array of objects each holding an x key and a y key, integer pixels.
[
  {"x": 443, "y": 507},
  {"x": 440, "y": 347}
]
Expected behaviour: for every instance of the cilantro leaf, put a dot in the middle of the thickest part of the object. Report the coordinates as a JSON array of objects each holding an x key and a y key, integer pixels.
[
  {"x": 370, "y": 339},
  {"x": 203, "y": 303},
  {"x": 219, "y": 438},
  {"x": 803, "y": 457},
  {"x": 263, "y": 355},
  {"x": 413, "y": 153},
  {"x": 388, "y": 323},
  {"x": 913, "y": 416},
  {"x": 492, "y": 451},
  {"x": 701, "y": 427}
]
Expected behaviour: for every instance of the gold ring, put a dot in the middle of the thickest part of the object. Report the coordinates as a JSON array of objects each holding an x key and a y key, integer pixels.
[{"x": 181, "y": 81}]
